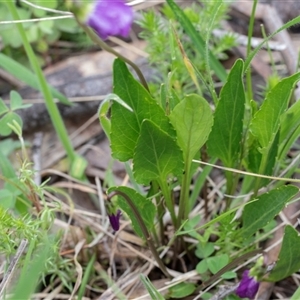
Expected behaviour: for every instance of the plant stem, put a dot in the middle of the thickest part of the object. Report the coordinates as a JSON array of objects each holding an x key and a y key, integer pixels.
[
  {"x": 144, "y": 230},
  {"x": 50, "y": 104},
  {"x": 250, "y": 33},
  {"x": 229, "y": 187},
  {"x": 262, "y": 168},
  {"x": 184, "y": 204},
  {"x": 160, "y": 211},
  {"x": 96, "y": 39},
  {"x": 169, "y": 202}
]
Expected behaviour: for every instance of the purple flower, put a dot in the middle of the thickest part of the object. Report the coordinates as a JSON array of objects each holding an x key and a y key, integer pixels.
[
  {"x": 110, "y": 17},
  {"x": 114, "y": 220},
  {"x": 248, "y": 286}
]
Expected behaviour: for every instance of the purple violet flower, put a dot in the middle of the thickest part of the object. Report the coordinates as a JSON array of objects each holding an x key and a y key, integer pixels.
[
  {"x": 110, "y": 17},
  {"x": 248, "y": 286},
  {"x": 114, "y": 220}
]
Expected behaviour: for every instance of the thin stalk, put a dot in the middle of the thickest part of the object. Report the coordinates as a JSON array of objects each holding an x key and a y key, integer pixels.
[
  {"x": 184, "y": 204},
  {"x": 229, "y": 187},
  {"x": 215, "y": 10},
  {"x": 272, "y": 63},
  {"x": 96, "y": 39},
  {"x": 169, "y": 201},
  {"x": 261, "y": 170},
  {"x": 160, "y": 211},
  {"x": 144, "y": 229},
  {"x": 50, "y": 104},
  {"x": 250, "y": 33}
]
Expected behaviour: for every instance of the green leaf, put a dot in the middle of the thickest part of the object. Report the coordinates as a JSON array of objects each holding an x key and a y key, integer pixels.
[
  {"x": 32, "y": 33},
  {"x": 153, "y": 292},
  {"x": 251, "y": 55},
  {"x": 181, "y": 290},
  {"x": 225, "y": 138},
  {"x": 46, "y": 26},
  {"x": 38, "y": 12},
  {"x": 48, "y": 4},
  {"x": 3, "y": 107},
  {"x": 216, "y": 263},
  {"x": 23, "y": 74},
  {"x": 125, "y": 125},
  {"x": 104, "y": 120},
  {"x": 266, "y": 120},
  {"x": 7, "y": 199},
  {"x": 11, "y": 37},
  {"x": 9, "y": 118},
  {"x": 289, "y": 257},
  {"x": 35, "y": 267},
  {"x": 197, "y": 40},
  {"x": 259, "y": 213},
  {"x": 229, "y": 275},
  {"x": 67, "y": 25},
  {"x": 272, "y": 155},
  {"x": 192, "y": 120},
  {"x": 6, "y": 167},
  {"x": 15, "y": 100},
  {"x": 104, "y": 110},
  {"x": 78, "y": 166},
  {"x": 124, "y": 132},
  {"x": 9, "y": 145},
  {"x": 254, "y": 157},
  {"x": 289, "y": 128},
  {"x": 143, "y": 205},
  {"x": 202, "y": 266},
  {"x": 190, "y": 225},
  {"x": 296, "y": 295},
  {"x": 156, "y": 155},
  {"x": 204, "y": 251}
]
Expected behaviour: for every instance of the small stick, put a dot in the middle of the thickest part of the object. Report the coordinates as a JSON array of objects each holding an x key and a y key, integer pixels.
[{"x": 12, "y": 266}]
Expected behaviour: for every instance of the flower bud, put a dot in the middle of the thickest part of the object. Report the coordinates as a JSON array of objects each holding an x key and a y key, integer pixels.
[{"x": 114, "y": 219}]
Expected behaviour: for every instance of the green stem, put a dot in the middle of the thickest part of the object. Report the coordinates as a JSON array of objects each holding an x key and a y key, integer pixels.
[
  {"x": 160, "y": 210},
  {"x": 229, "y": 186},
  {"x": 250, "y": 33},
  {"x": 272, "y": 62},
  {"x": 184, "y": 204},
  {"x": 169, "y": 202},
  {"x": 96, "y": 39},
  {"x": 261, "y": 170},
  {"x": 144, "y": 229},
  {"x": 49, "y": 102}
]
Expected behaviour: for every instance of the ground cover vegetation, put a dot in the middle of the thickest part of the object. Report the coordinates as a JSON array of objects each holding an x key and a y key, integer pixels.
[{"x": 193, "y": 120}]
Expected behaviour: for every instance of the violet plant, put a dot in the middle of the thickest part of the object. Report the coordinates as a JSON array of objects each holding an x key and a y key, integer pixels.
[
  {"x": 165, "y": 137},
  {"x": 248, "y": 286}
]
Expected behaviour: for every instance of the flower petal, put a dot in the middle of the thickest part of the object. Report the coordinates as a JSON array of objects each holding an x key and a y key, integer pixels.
[
  {"x": 110, "y": 17},
  {"x": 114, "y": 220},
  {"x": 248, "y": 286}
]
